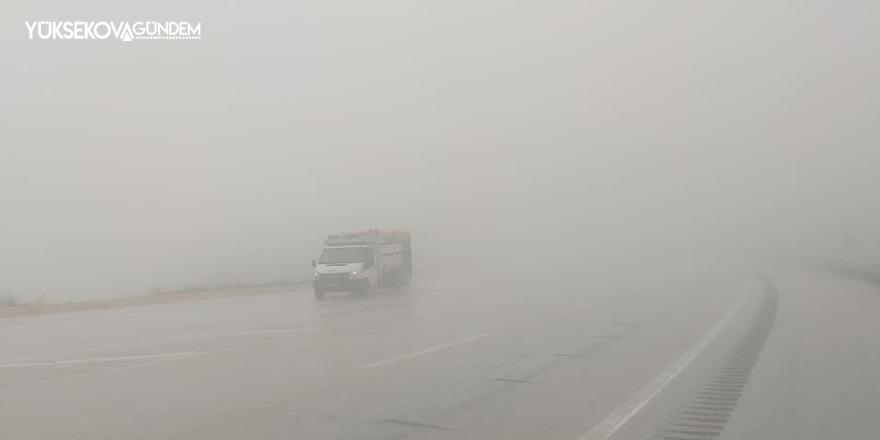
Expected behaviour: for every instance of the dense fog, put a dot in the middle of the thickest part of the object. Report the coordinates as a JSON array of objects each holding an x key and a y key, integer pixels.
[{"x": 526, "y": 136}]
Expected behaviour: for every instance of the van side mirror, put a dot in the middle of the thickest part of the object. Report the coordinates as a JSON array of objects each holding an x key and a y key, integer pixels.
[{"x": 314, "y": 264}]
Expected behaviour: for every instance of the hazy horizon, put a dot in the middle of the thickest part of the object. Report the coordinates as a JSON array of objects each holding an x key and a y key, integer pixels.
[{"x": 494, "y": 131}]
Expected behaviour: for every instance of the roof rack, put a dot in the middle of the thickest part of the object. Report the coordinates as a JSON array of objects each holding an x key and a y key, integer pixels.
[{"x": 368, "y": 236}]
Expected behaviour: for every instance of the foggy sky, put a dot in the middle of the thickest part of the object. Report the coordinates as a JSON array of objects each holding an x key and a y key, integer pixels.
[{"x": 533, "y": 132}]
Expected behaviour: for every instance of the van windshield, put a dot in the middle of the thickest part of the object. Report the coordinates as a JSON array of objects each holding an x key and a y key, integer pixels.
[{"x": 343, "y": 255}]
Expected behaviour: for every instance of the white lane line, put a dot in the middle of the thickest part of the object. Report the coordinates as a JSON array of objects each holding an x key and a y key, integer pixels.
[
  {"x": 179, "y": 357},
  {"x": 425, "y": 351},
  {"x": 26, "y": 362},
  {"x": 611, "y": 424},
  {"x": 104, "y": 359}
]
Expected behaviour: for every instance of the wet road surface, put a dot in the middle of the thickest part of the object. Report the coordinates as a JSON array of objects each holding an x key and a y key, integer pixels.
[{"x": 443, "y": 359}]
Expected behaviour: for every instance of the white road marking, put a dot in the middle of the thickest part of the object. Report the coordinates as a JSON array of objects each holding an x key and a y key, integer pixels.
[
  {"x": 178, "y": 357},
  {"x": 27, "y": 362},
  {"x": 104, "y": 359},
  {"x": 425, "y": 351},
  {"x": 611, "y": 424}
]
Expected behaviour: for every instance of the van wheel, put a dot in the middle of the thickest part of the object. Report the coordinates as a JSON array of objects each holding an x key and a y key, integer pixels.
[{"x": 319, "y": 294}]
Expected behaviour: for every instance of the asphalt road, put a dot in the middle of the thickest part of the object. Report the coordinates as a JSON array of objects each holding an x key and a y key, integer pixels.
[{"x": 460, "y": 359}]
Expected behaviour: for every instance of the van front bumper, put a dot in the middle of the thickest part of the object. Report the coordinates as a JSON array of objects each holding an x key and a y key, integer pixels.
[{"x": 338, "y": 283}]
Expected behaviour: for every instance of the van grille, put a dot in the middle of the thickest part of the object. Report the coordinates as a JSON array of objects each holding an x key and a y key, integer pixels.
[{"x": 333, "y": 276}]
